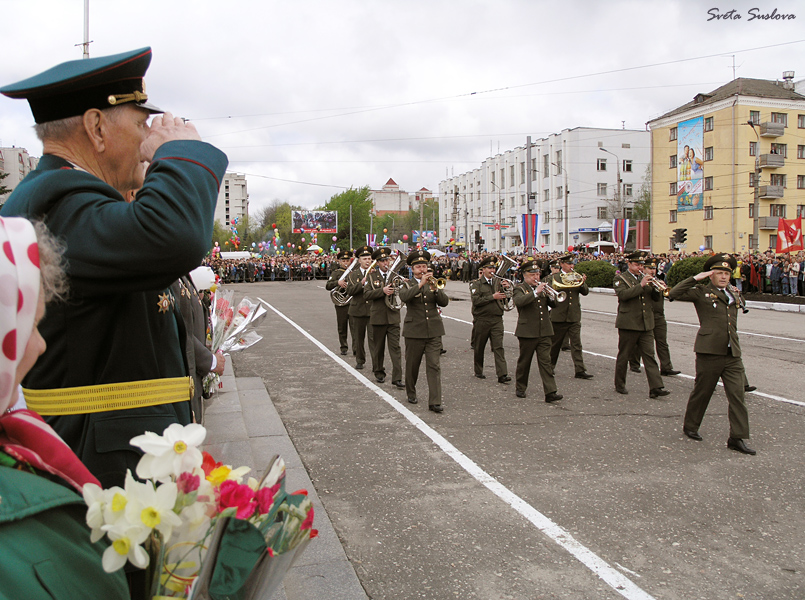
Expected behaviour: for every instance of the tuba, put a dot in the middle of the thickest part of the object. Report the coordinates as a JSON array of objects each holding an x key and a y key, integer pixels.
[
  {"x": 394, "y": 278},
  {"x": 338, "y": 296},
  {"x": 499, "y": 276}
]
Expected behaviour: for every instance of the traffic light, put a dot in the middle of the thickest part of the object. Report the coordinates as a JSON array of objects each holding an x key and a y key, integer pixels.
[
  {"x": 477, "y": 237},
  {"x": 680, "y": 235}
]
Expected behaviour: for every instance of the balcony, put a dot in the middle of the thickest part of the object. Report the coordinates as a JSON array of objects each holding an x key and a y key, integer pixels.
[
  {"x": 770, "y": 129},
  {"x": 771, "y": 191},
  {"x": 768, "y": 222},
  {"x": 771, "y": 161}
]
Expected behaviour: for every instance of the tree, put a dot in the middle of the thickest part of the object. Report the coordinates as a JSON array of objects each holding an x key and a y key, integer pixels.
[
  {"x": 3, "y": 189},
  {"x": 642, "y": 206},
  {"x": 361, "y": 203}
]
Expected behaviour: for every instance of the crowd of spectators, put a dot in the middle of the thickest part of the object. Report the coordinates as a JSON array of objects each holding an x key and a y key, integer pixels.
[{"x": 764, "y": 273}]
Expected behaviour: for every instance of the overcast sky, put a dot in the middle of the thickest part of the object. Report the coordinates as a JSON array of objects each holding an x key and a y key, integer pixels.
[{"x": 309, "y": 98}]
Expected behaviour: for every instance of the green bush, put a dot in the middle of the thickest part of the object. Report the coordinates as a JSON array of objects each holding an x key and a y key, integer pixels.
[
  {"x": 682, "y": 269},
  {"x": 599, "y": 272}
]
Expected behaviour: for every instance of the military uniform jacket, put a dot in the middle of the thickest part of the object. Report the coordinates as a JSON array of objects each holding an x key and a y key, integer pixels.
[
  {"x": 568, "y": 311},
  {"x": 332, "y": 282},
  {"x": 484, "y": 306},
  {"x": 119, "y": 323},
  {"x": 635, "y": 303},
  {"x": 533, "y": 319},
  {"x": 422, "y": 318},
  {"x": 380, "y": 313},
  {"x": 718, "y": 331},
  {"x": 199, "y": 357},
  {"x": 359, "y": 306}
]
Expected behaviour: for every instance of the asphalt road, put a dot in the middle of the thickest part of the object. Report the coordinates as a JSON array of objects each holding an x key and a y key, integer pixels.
[{"x": 597, "y": 496}]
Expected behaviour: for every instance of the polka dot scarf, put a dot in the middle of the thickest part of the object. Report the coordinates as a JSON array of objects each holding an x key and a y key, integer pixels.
[{"x": 19, "y": 293}]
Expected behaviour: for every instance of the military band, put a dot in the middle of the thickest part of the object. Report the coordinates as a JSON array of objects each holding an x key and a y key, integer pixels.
[
  {"x": 341, "y": 311},
  {"x": 384, "y": 320},
  {"x": 359, "y": 306},
  {"x": 566, "y": 316},
  {"x": 487, "y": 319}
]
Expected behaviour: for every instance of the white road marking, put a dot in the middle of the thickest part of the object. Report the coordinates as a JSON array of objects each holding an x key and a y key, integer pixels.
[
  {"x": 769, "y": 396},
  {"x": 611, "y": 576}
]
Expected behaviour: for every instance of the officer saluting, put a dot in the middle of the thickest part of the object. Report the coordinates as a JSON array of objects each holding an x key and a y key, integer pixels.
[
  {"x": 423, "y": 329},
  {"x": 114, "y": 366},
  {"x": 718, "y": 350},
  {"x": 534, "y": 330}
]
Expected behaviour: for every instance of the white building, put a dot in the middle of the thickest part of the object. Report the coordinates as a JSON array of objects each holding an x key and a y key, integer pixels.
[
  {"x": 391, "y": 199},
  {"x": 233, "y": 199},
  {"x": 574, "y": 185},
  {"x": 17, "y": 163}
]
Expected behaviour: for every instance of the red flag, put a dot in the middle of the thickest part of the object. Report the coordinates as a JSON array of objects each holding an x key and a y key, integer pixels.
[{"x": 789, "y": 235}]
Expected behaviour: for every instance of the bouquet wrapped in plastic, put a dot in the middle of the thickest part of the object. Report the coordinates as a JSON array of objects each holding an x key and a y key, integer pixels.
[
  {"x": 231, "y": 327},
  {"x": 195, "y": 526}
]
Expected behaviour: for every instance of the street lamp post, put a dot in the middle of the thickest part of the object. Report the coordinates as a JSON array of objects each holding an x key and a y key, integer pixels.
[
  {"x": 500, "y": 229},
  {"x": 756, "y": 220}
]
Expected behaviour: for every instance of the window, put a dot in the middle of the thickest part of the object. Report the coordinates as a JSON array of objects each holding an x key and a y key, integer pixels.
[
  {"x": 522, "y": 172},
  {"x": 511, "y": 174},
  {"x": 546, "y": 217},
  {"x": 800, "y": 151},
  {"x": 708, "y": 153},
  {"x": 626, "y": 145},
  {"x": 602, "y": 189},
  {"x": 492, "y": 177},
  {"x": 777, "y": 179},
  {"x": 672, "y": 189},
  {"x": 602, "y": 164},
  {"x": 627, "y": 212},
  {"x": 602, "y": 212},
  {"x": 560, "y": 214},
  {"x": 627, "y": 189},
  {"x": 708, "y": 123},
  {"x": 546, "y": 194},
  {"x": 772, "y": 241},
  {"x": 672, "y": 216},
  {"x": 627, "y": 166},
  {"x": 777, "y": 210},
  {"x": 751, "y": 180},
  {"x": 533, "y": 169},
  {"x": 800, "y": 182},
  {"x": 801, "y": 121},
  {"x": 558, "y": 162},
  {"x": 708, "y": 214},
  {"x": 559, "y": 193},
  {"x": 800, "y": 211},
  {"x": 673, "y": 161},
  {"x": 780, "y": 150},
  {"x": 754, "y": 116},
  {"x": 545, "y": 165},
  {"x": 559, "y": 239},
  {"x": 708, "y": 241},
  {"x": 708, "y": 184},
  {"x": 752, "y": 241},
  {"x": 522, "y": 199},
  {"x": 502, "y": 178},
  {"x": 511, "y": 203},
  {"x": 780, "y": 118},
  {"x": 752, "y": 148},
  {"x": 751, "y": 212},
  {"x": 672, "y": 135}
]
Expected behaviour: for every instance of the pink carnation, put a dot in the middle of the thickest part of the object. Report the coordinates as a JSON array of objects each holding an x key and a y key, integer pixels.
[
  {"x": 187, "y": 482},
  {"x": 233, "y": 494},
  {"x": 265, "y": 498}
]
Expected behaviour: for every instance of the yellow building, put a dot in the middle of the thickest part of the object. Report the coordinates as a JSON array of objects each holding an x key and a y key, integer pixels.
[{"x": 703, "y": 166}]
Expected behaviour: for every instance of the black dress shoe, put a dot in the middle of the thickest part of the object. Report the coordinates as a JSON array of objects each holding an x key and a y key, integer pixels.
[
  {"x": 359, "y": 366},
  {"x": 480, "y": 376},
  {"x": 670, "y": 373},
  {"x": 520, "y": 394},
  {"x": 750, "y": 388},
  {"x": 442, "y": 351},
  {"x": 436, "y": 408},
  {"x": 380, "y": 379},
  {"x": 694, "y": 435},
  {"x": 739, "y": 445},
  {"x": 583, "y": 375},
  {"x": 553, "y": 397},
  {"x": 343, "y": 352},
  {"x": 412, "y": 400},
  {"x": 635, "y": 369},
  {"x": 398, "y": 384},
  {"x": 504, "y": 379},
  {"x": 657, "y": 392},
  {"x": 620, "y": 390}
]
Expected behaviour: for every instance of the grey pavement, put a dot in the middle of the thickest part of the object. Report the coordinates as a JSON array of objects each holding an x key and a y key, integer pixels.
[{"x": 243, "y": 428}]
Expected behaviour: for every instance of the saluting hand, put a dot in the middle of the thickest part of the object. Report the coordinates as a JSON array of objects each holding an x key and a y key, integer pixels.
[{"x": 166, "y": 128}]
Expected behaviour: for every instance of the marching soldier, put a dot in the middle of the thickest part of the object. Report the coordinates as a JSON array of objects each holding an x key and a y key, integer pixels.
[
  {"x": 717, "y": 348},
  {"x": 487, "y": 320},
  {"x": 383, "y": 320},
  {"x": 660, "y": 330},
  {"x": 359, "y": 306},
  {"x": 423, "y": 329},
  {"x": 635, "y": 323},
  {"x": 341, "y": 312},
  {"x": 566, "y": 318},
  {"x": 534, "y": 331}
]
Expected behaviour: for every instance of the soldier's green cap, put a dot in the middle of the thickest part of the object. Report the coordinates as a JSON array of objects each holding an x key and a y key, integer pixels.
[
  {"x": 720, "y": 262},
  {"x": 418, "y": 257},
  {"x": 363, "y": 251},
  {"x": 74, "y": 87},
  {"x": 381, "y": 253},
  {"x": 489, "y": 261},
  {"x": 344, "y": 254},
  {"x": 531, "y": 264}
]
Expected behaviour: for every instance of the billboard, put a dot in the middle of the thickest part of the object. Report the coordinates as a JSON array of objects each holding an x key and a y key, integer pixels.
[
  {"x": 690, "y": 165},
  {"x": 429, "y": 238},
  {"x": 319, "y": 221}
]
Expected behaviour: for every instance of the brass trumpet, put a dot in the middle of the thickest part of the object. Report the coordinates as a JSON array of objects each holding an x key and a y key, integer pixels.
[
  {"x": 437, "y": 284},
  {"x": 553, "y": 294},
  {"x": 659, "y": 285}
]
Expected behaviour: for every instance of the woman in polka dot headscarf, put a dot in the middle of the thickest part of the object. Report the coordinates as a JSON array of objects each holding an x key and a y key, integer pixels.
[{"x": 42, "y": 518}]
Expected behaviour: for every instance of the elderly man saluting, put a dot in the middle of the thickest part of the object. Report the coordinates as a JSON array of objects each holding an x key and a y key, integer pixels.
[{"x": 114, "y": 365}]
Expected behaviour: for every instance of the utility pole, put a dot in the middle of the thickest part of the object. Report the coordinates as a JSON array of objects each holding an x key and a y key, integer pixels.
[
  {"x": 454, "y": 220},
  {"x": 421, "y": 216},
  {"x": 86, "y": 29},
  {"x": 529, "y": 199},
  {"x": 350, "y": 228},
  {"x": 756, "y": 220},
  {"x": 371, "y": 223}
]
